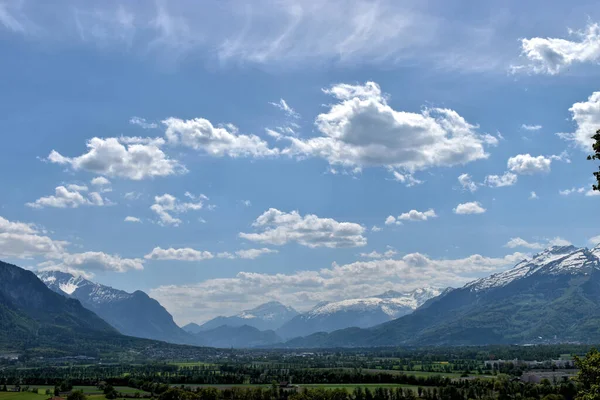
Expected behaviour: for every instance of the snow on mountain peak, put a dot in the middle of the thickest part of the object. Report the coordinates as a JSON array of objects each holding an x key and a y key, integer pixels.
[
  {"x": 268, "y": 311},
  {"x": 554, "y": 260},
  {"x": 69, "y": 284},
  {"x": 391, "y": 303}
]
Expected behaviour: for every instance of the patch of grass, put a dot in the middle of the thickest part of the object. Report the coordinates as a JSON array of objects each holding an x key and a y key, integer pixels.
[{"x": 22, "y": 396}]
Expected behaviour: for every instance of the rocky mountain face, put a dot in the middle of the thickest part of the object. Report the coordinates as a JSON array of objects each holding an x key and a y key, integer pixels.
[
  {"x": 361, "y": 312},
  {"x": 268, "y": 316},
  {"x": 554, "y": 297},
  {"x": 132, "y": 314}
]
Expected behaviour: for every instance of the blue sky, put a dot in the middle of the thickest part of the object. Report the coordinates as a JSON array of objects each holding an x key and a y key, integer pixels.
[{"x": 258, "y": 148}]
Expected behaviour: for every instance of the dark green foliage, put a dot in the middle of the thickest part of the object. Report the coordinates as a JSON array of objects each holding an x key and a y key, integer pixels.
[
  {"x": 589, "y": 375},
  {"x": 77, "y": 395},
  {"x": 596, "y": 156}
]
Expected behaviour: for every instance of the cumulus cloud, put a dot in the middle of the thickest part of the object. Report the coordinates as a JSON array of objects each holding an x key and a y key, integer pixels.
[
  {"x": 102, "y": 184},
  {"x": 552, "y": 55},
  {"x": 391, "y": 220},
  {"x": 166, "y": 205},
  {"x": 200, "y": 134},
  {"x": 533, "y": 196},
  {"x": 189, "y": 254},
  {"x": 531, "y": 127},
  {"x": 303, "y": 289},
  {"x": 123, "y": 157},
  {"x": 184, "y": 254},
  {"x": 594, "y": 241},
  {"x": 506, "y": 179},
  {"x": 467, "y": 183},
  {"x": 558, "y": 241},
  {"x": 25, "y": 240},
  {"x": 93, "y": 261},
  {"x": 414, "y": 215},
  {"x": 472, "y": 207},
  {"x": 526, "y": 164},
  {"x": 362, "y": 129},
  {"x": 132, "y": 219},
  {"x": 518, "y": 242},
  {"x": 279, "y": 227},
  {"x": 70, "y": 197},
  {"x": 251, "y": 254},
  {"x": 586, "y": 115}
]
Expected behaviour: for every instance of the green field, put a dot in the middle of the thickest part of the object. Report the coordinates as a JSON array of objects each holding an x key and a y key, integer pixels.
[{"x": 22, "y": 396}]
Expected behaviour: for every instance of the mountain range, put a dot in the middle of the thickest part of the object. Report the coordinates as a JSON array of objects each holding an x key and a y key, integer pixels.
[
  {"x": 554, "y": 297},
  {"x": 268, "y": 316},
  {"x": 132, "y": 314},
  {"x": 360, "y": 312}
]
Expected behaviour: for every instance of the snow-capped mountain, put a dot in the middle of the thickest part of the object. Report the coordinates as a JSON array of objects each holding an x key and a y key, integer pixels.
[
  {"x": 132, "y": 314},
  {"x": 361, "y": 312},
  {"x": 268, "y": 316},
  {"x": 552, "y": 261},
  {"x": 553, "y": 297}
]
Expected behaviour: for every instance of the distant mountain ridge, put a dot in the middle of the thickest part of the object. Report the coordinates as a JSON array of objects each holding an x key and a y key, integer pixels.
[
  {"x": 132, "y": 314},
  {"x": 554, "y": 297},
  {"x": 267, "y": 316},
  {"x": 359, "y": 312}
]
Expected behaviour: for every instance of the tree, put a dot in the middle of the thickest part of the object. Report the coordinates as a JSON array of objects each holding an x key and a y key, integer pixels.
[
  {"x": 77, "y": 395},
  {"x": 596, "y": 156},
  {"x": 589, "y": 375}
]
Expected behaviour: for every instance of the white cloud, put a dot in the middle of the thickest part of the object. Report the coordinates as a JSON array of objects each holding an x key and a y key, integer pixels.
[
  {"x": 409, "y": 179},
  {"x": 518, "y": 242},
  {"x": 132, "y": 195},
  {"x": 141, "y": 122},
  {"x": 279, "y": 228},
  {"x": 166, "y": 205},
  {"x": 526, "y": 164},
  {"x": 188, "y": 254},
  {"x": 594, "y": 241},
  {"x": 467, "y": 183},
  {"x": 100, "y": 181},
  {"x": 506, "y": 179},
  {"x": 303, "y": 289},
  {"x": 132, "y": 219},
  {"x": 251, "y": 254},
  {"x": 558, "y": 241},
  {"x": 586, "y": 115},
  {"x": 376, "y": 228},
  {"x": 533, "y": 196},
  {"x": 553, "y": 55},
  {"x": 77, "y": 188},
  {"x": 531, "y": 127},
  {"x": 414, "y": 215},
  {"x": 376, "y": 255},
  {"x": 200, "y": 134},
  {"x": 184, "y": 254},
  {"x": 472, "y": 207},
  {"x": 581, "y": 190},
  {"x": 284, "y": 106},
  {"x": 122, "y": 157},
  {"x": 93, "y": 261},
  {"x": 70, "y": 197},
  {"x": 25, "y": 240},
  {"x": 246, "y": 203},
  {"x": 391, "y": 220},
  {"x": 567, "y": 192},
  {"x": 363, "y": 130}
]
